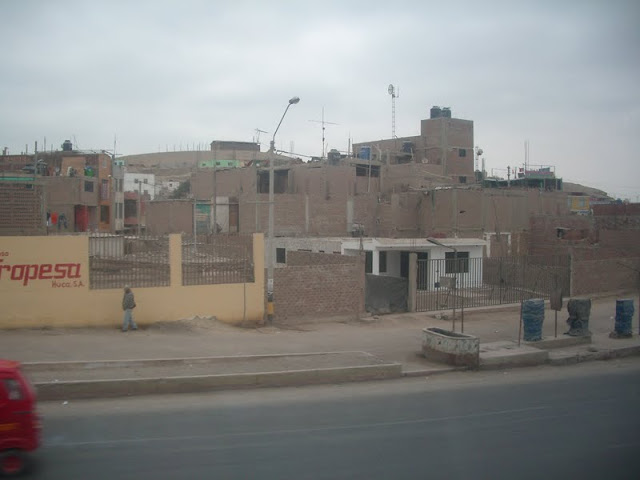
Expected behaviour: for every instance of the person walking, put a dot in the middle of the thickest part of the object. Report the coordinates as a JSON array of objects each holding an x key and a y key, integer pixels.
[{"x": 128, "y": 304}]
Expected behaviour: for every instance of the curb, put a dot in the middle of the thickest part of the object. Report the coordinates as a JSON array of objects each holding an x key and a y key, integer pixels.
[
  {"x": 432, "y": 372},
  {"x": 92, "y": 389},
  {"x": 170, "y": 362},
  {"x": 559, "y": 359},
  {"x": 48, "y": 391}
]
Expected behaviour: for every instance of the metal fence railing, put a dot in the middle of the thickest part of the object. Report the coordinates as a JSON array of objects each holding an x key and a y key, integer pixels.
[
  {"x": 119, "y": 260},
  {"x": 476, "y": 282},
  {"x": 217, "y": 259}
]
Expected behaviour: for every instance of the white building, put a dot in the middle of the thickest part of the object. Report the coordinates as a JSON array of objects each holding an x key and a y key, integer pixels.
[
  {"x": 390, "y": 256},
  {"x": 141, "y": 182}
]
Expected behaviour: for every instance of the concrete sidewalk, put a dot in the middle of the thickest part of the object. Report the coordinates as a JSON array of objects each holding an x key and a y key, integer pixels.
[{"x": 216, "y": 355}]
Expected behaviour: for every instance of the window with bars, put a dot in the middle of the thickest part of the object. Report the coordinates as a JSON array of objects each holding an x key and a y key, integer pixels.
[
  {"x": 456, "y": 262},
  {"x": 382, "y": 259},
  {"x": 368, "y": 262}
]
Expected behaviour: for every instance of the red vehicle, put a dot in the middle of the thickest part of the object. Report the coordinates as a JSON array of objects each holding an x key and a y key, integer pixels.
[{"x": 19, "y": 421}]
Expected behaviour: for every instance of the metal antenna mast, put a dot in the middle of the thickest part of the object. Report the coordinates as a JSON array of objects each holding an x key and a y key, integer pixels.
[
  {"x": 258, "y": 132},
  {"x": 323, "y": 129},
  {"x": 395, "y": 93}
]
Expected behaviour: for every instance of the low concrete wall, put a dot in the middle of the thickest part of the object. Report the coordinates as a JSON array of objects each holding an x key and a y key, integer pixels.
[{"x": 450, "y": 347}]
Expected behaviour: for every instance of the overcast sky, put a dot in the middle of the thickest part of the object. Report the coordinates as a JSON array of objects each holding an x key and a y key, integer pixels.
[{"x": 564, "y": 75}]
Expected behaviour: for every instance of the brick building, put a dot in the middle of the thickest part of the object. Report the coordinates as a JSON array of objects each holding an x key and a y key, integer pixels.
[
  {"x": 444, "y": 143},
  {"x": 404, "y": 201},
  {"x": 83, "y": 189}
]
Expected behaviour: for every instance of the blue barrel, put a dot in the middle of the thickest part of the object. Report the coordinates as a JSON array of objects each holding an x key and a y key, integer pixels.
[
  {"x": 624, "y": 315},
  {"x": 532, "y": 318}
]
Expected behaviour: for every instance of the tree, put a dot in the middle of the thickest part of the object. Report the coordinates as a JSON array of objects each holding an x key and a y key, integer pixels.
[{"x": 182, "y": 191}]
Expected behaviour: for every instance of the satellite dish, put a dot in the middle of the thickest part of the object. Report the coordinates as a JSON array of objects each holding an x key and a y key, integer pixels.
[{"x": 390, "y": 89}]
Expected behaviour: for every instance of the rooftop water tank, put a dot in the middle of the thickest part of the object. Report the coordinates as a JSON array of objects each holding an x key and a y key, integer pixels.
[{"x": 436, "y": 112}]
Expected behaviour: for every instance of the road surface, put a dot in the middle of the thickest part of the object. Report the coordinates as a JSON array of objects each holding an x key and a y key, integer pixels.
[{"x": 579, "y": 422}]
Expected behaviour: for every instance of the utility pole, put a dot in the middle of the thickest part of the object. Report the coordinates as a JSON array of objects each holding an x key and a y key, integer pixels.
[
  {"x": 195, "y": 225},
  {"x": 445, "y": 148},
  {"x": 369, "y": 175},
  {"x": 270, "y": 252},
  {"x": 214, "y": 227},
  {"x": 139, "y": 206}
]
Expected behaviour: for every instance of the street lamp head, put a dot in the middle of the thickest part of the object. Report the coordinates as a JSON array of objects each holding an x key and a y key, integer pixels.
[
  {"x": 294, "y": 100},
  {"x": 435, "y": 242},
  {"x": 440, "y": 244}
]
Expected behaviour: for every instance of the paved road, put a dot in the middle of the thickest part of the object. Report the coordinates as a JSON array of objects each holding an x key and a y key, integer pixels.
[{"x": 575, "y": 422}]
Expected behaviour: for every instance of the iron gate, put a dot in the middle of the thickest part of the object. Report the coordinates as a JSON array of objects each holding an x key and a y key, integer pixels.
[{"x": 476, "y": 282}]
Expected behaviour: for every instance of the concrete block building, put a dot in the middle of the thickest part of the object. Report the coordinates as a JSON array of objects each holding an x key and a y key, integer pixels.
[
  {"x": 445, "y": 144},
  {"x": 81, "y": 189}
]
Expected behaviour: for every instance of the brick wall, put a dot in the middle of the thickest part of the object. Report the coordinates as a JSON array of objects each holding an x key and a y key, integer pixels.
[
  {"x": 543, "y": 234},
  {"x": 401, "y": 178},
  {"x": 470, "y": 213},
  {"x": 71, "y": 190},
  {"x": 408, "y": 214},
  {"x": 599, "y": 276},
  {"x": 323, "y": 181},
  {"x": 391, "y": 149},
  {"x": 617, "y": 209},
  {"x": 599, "y": 249},
  {"x": 327, "y": 218},
  {"x": 21, "y": 210},
  {"x": 586, "y": 238},
  {"x": 229, "y": 182},
  {"x": 14, "y": 163},
  {"x": 320, "y": 289},
  {"x": 459, "y": 135},
  {"x": 396, "y": 217},
  {"x": 298, "y": 258},
  {"x": 366, "y": 210},
  {"x": 169, "y": 216}
]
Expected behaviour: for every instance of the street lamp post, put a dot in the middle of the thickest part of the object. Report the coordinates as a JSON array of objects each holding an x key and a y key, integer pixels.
[
  {"x": 455, "y": 280},
  {"x": 270, "y": 259}
]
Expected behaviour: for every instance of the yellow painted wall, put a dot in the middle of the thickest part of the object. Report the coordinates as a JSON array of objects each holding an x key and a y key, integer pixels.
[{"x": 44, "y": 282}]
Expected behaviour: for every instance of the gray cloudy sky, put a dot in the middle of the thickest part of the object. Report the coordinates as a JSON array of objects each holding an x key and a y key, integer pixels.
[{"x": 564, "y": 75}]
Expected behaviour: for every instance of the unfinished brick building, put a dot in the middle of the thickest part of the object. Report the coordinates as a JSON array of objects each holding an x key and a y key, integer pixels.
[
  {"x": 83, "y": 189},
  {"x": 445, "y": 144}
]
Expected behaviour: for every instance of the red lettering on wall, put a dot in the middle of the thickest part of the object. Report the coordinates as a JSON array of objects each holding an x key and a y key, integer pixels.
[
  {"x": 17, "y": 272},
  {"x": 4, "y": 267},
  {"x": 31, "y": 273},
  {"x": 74, "y": 270},
  {"x": 60, "y": 270},
  {"x": 45, "y": 271}
]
